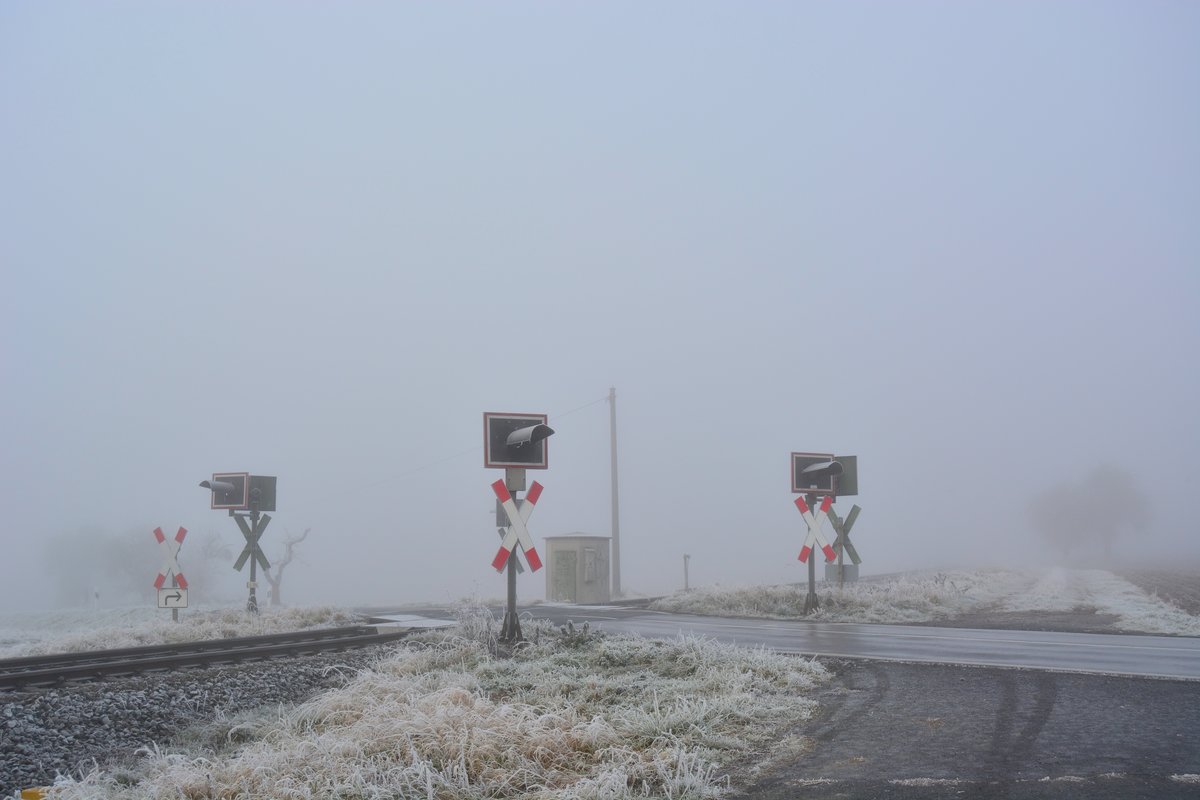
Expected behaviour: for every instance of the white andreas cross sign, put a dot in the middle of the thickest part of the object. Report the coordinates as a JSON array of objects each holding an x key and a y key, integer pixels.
[
  {"x": 517, "y": 532},
  {"x": 170, "y": 558},
  {"x": 814, "y": 529}
]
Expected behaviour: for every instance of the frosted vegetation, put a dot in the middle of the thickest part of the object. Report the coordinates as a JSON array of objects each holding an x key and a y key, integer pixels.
[
  {"x": 79, "y": 630},
  {"x": 932, "y": 596},
  {"x": 450, "y": 714}
]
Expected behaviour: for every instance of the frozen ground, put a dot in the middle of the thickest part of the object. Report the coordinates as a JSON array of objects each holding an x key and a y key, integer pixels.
[
  {"x": 1052, "y": 599},
  {"x": 97, "y": 629}
]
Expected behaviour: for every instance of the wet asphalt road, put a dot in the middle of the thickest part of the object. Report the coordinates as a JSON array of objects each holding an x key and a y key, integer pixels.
[
  {"x": 888, "y": 730},
  {"x": 1105, "y": 653}
]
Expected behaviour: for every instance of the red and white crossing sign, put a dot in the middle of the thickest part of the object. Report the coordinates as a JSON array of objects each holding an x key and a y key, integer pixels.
[
  {"x": 170, "y": 558},
  {"x": 517, "y": 533},
  {"x": 814, "y": 529}
]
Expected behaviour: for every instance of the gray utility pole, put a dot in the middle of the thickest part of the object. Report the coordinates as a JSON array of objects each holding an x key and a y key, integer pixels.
[{"x": 616, "y": 513}]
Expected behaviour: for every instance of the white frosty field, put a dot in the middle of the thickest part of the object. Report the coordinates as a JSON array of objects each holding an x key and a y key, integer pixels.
[
  {"x": 931, "y": 596},
  {"x": 88, "y": 629}
]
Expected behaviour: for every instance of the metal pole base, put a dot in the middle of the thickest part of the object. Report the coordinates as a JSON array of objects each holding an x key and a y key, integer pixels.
[
  {"x": 510, "y": 631},
  {"x": 252, "y": 604},
  {"x": 811, "y": 603}
]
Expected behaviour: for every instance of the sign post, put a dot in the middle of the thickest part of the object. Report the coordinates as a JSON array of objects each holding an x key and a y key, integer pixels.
[
  {"x": 814, "y": 537},
  {"x": 515, "y": 442},
  {"x": 824, "y": 475},
  {"x": 170, "y": 568}
]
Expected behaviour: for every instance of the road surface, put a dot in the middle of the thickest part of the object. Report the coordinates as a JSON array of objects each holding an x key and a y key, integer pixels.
[{"x": 1109, "y": 654}]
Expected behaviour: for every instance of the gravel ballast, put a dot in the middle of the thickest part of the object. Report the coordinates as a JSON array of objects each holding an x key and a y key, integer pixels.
[{"x": 46, "y": 732}]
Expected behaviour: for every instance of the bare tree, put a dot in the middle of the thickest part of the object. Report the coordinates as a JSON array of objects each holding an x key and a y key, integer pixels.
[
  {"x": 275, "y": 574},
  {"x": 1098, "y": 509}
]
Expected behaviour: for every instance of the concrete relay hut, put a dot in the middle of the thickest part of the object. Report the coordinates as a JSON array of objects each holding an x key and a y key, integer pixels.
[{"x": 577, "y": 569}]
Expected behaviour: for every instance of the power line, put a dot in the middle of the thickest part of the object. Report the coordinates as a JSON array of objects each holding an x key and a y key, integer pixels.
[{"x": 581, "y": 408}]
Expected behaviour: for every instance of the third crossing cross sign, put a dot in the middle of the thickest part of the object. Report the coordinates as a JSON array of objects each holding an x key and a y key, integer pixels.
[
  {"x": 170, "y": 564},
  {"x": 842, "y": 529}
]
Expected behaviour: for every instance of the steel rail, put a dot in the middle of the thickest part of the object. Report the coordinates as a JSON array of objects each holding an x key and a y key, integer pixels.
[{"x": 56, "y": 669}]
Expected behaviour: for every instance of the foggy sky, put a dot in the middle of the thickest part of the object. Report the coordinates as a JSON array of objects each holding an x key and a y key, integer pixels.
[{"x": 318, "y": 241}]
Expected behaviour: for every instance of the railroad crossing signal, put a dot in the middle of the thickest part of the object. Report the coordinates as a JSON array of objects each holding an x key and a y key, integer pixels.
[
  {"x": 814, "y": 529},
  {"x": 244, "y": 495},
  {"x": 252, "y": 534},
  {"x": 170, "y": 559},
  {"x": 517, "y": 533},
  {"x": 842, "y": 529},
  {"x": 515, "y": 443},
  {"x": 515, "y": 440},
  {"x": 241, "y": 491},
  {"x": 173, "y": 598},
  {"x": 824, "y": 474}
]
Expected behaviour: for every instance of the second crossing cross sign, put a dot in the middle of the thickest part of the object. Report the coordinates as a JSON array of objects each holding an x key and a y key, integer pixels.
[{"x": 814, "y": 529}]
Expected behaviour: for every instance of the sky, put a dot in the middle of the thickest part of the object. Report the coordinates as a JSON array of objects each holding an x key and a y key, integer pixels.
[{"x": 317, "y": 241}]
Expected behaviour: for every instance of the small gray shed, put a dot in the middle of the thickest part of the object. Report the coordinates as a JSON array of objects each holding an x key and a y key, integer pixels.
[{"x": 577, "y": 569}]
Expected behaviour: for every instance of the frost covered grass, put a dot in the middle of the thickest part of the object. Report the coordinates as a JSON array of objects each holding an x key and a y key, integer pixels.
[
  {"x": 929, "y": 597},
  {"x": 447, "y": 715},
  {"x": 911, "y": 597},
  {"x": 74, "y": 631}
]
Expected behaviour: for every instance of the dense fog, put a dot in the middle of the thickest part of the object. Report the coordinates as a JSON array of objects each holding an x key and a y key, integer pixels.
[{"x": 318, "y": 241}]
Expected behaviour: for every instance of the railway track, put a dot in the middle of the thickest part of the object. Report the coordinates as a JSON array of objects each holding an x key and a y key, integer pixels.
[{"x": 58, "y": 669}]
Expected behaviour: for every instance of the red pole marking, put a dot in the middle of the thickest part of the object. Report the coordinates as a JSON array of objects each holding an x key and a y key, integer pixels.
[
  {"x": 804, "y": 553},
  {"x": 159, "y": 581},
  {"x": 500, "y": 560},
  {"x": 535, "y": 491},
  {"x": 179, "y": 535},
  {"x": 826, "y": 504},
  {"x": 800, "y": 504},
  {"x": 158, "y": 534},
  {"x": 535, "y": 563},
  {"x": 501, "y": 491},
  {"x": 829, "y": 554},
  {"x": 182, "y": 581}
]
